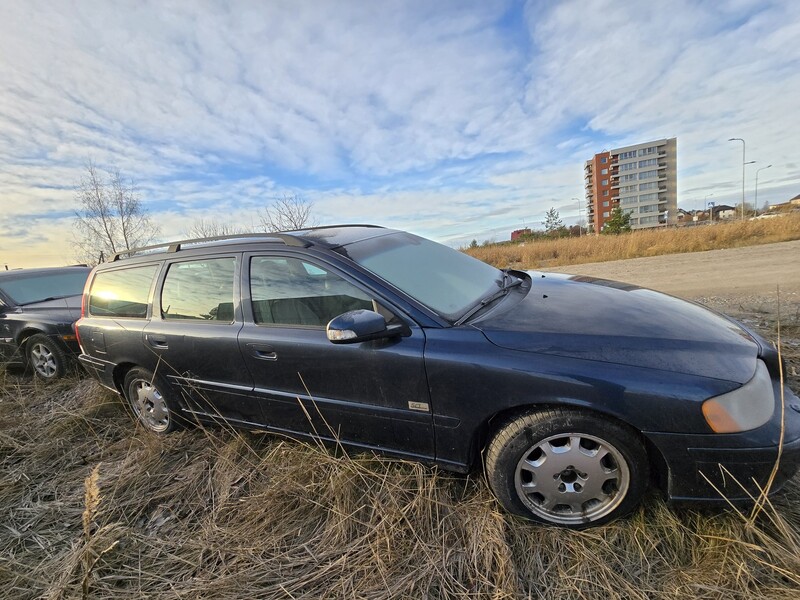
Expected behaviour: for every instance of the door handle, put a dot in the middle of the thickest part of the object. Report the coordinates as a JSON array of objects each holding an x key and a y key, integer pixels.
[
  {"x": 157, "y": 341},
  {"x": 263, "y": 351}
]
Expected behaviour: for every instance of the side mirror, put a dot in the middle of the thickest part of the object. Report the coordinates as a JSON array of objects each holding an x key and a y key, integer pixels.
[{"x": 360, "y": 326}]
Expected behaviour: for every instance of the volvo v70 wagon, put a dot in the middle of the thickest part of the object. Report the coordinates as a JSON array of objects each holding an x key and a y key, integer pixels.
[{"x": 575, "y": 394}]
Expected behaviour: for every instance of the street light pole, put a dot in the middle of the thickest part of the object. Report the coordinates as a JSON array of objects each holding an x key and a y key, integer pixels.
[
  {"x": 757, "y": 172},
  {"x": 749, "y": 162},
  {"x": 705, "y": 202},
  {"x": 580, "y": 216},
  {"x": 743, "y": 163}
]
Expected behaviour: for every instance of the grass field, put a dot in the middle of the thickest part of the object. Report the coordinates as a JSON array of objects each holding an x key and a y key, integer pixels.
[
  {"x": 94, "y": 508},
  {"x": 571, "y": 251}
]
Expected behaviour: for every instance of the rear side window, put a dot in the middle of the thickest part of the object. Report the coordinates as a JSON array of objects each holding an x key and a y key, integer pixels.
[
  {"x": 289, "y": 291},
  {"x": 121, "y": 293},
  {"x": 199, "y": 290}
]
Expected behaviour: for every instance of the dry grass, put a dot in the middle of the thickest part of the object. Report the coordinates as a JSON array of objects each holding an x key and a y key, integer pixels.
[
  {"x": 573, "y": 251},
  {"x": 93, "y": 508}
]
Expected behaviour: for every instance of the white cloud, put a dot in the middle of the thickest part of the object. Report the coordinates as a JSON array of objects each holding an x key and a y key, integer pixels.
[
  {"x": 456, "y": 120},
  {"x": 703, "y": 72}
]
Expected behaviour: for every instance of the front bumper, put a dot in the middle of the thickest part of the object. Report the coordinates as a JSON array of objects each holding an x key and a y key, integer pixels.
[
  {"x": 731, "y": 468},
  {"x": 72, "y": 346},
  {"x": 12, "y": 354}
]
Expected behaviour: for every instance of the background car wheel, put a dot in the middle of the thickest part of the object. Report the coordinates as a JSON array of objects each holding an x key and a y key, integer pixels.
[
  {"x": 150, "y": 402},
  {"x": 567, "y": 467},
  {"x": 45, "y": 357}
]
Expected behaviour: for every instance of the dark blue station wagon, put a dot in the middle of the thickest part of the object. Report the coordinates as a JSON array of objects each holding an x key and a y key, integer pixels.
[
  {"x": 38, "y": 308},
  {"x": 385, "y": 341}
]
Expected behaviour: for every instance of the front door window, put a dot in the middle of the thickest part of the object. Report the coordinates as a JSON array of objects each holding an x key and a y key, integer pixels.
[{"x": 289, "y": 291}]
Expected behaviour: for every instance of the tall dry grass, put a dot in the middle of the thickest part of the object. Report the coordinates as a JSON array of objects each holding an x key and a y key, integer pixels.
[
  {"x": 94, "y": 508},
  {"x": 571, "y": 251}
]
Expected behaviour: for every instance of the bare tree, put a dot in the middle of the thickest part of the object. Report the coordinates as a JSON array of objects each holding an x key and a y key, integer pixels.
[
  {"x": 287, "y": 213},
  {"x": 111, "y": 217},
  {"x": 201, "y": 228}
]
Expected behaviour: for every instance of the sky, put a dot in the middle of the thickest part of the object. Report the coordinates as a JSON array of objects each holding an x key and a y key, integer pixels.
[{"x": 455, "y": 120}]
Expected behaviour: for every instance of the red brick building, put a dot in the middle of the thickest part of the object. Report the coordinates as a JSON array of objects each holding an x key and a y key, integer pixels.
[{"x": 640, "y": 179}]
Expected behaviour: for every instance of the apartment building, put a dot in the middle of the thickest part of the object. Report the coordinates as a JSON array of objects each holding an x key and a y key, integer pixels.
[{"x": 641, "y": 179}]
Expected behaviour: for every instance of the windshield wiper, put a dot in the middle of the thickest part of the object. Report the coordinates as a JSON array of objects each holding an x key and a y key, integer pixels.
[
  {"x": 505, "y": 285},
  {"x": 48, "y": 299}
]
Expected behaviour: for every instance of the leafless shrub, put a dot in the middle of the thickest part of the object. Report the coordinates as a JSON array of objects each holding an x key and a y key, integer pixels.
[
  {"x": 202, "y": 228},
  {"x": 287, "y": 213}
]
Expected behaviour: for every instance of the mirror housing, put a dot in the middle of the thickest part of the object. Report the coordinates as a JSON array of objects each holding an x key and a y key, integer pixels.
[{"x": 361, "y": 326}]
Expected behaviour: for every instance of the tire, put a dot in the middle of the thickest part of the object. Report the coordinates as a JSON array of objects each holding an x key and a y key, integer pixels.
[
  {"x": 567, "y": 467},
  {"x": 150, "y": 401},
  {"x": 45, "y": 357}
]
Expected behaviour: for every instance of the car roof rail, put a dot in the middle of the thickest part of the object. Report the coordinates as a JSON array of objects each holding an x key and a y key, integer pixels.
[
  {"x": 289, "y": 240},
  {"x": 318, "y": 227}
]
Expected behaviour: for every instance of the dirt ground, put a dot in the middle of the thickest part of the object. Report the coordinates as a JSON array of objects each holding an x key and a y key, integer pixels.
[{"x": 735, "y": 272}]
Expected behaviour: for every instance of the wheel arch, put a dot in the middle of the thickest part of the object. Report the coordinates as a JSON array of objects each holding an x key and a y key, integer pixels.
[
  {"x": 119, "y": 374},
  {"x": 490, "y": 426},
  {"x": 614, "y": 486},
  {"x": 26, "y": 333}
]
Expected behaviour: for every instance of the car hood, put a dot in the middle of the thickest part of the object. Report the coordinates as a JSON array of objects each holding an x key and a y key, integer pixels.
[
  {"x": 608, "y": 321},
  {"x": 61, "y": 309}
]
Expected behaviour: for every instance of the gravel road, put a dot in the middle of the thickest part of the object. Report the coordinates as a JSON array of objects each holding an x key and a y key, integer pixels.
[{"x": 754, "y": 271}]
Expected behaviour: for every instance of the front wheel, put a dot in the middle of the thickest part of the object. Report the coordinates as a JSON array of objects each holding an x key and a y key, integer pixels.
[
  {"x": 45, "y": 357},
  {"x": 567, "y": 467},
  {"x": 150, "y": 402}
]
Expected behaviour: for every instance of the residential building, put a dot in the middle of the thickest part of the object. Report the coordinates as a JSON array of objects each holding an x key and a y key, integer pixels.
[
  {"x": 723, "y": 211},
  {"x": 641, "y": 179},
  {"x": 685, "y": 216},
  {"x": 785, "y": 206},
  {"x": 519, "y": 233}
]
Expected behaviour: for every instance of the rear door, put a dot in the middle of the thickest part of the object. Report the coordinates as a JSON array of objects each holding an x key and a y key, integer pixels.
[
  {"x": 117, "y": 311},
  {"x": 371, "y": 394},
  {"x": 194, "y": 335}
]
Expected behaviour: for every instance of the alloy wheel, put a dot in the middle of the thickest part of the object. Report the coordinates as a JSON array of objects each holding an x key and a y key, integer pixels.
[
  {"x": 43, "y": 361},
  {"x": 572, "y": 478},
  {"x": 149, "y": 405}
]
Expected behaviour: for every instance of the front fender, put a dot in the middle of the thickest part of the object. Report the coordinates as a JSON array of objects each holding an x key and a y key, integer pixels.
[{"x": 471, "y": 381}]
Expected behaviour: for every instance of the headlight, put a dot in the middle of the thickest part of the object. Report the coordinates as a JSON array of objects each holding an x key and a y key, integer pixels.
[{"x": 746, "y": 408}]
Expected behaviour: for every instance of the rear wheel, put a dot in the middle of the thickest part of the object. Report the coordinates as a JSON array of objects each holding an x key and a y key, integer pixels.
[
  {"x": 45, "y": 357},
  {"x": 150, "y": 401},
  {"x": 567, "y": 467}
]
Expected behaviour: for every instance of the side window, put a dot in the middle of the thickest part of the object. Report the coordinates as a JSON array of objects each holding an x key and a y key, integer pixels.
[
  {"x": 121, "y": 293},
  {"x": 199, "y": 290},
  {"x": 290, "y": 291}
]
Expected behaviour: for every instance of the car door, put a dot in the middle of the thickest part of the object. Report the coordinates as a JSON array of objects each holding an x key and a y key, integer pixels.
[
  {"x": 194, "y": 333},
  {"x": 371, "y": 394},
  {"x": 118, "y": 308}
]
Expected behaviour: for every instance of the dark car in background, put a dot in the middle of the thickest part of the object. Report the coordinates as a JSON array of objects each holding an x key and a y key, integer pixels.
[
  {"x": 38, "y": 308},
  {"x": 575, "y": 394}
]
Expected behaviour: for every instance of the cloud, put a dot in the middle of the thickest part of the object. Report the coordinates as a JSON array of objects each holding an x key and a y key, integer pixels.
[
  {"x": 453, "y": 119},
  {"x": 703, "y": 72}
]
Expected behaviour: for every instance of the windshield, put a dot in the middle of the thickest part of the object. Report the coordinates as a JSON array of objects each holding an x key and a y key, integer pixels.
[
  {"x": 443, "y": 279},
  {"x": 40, "y": 286}
]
